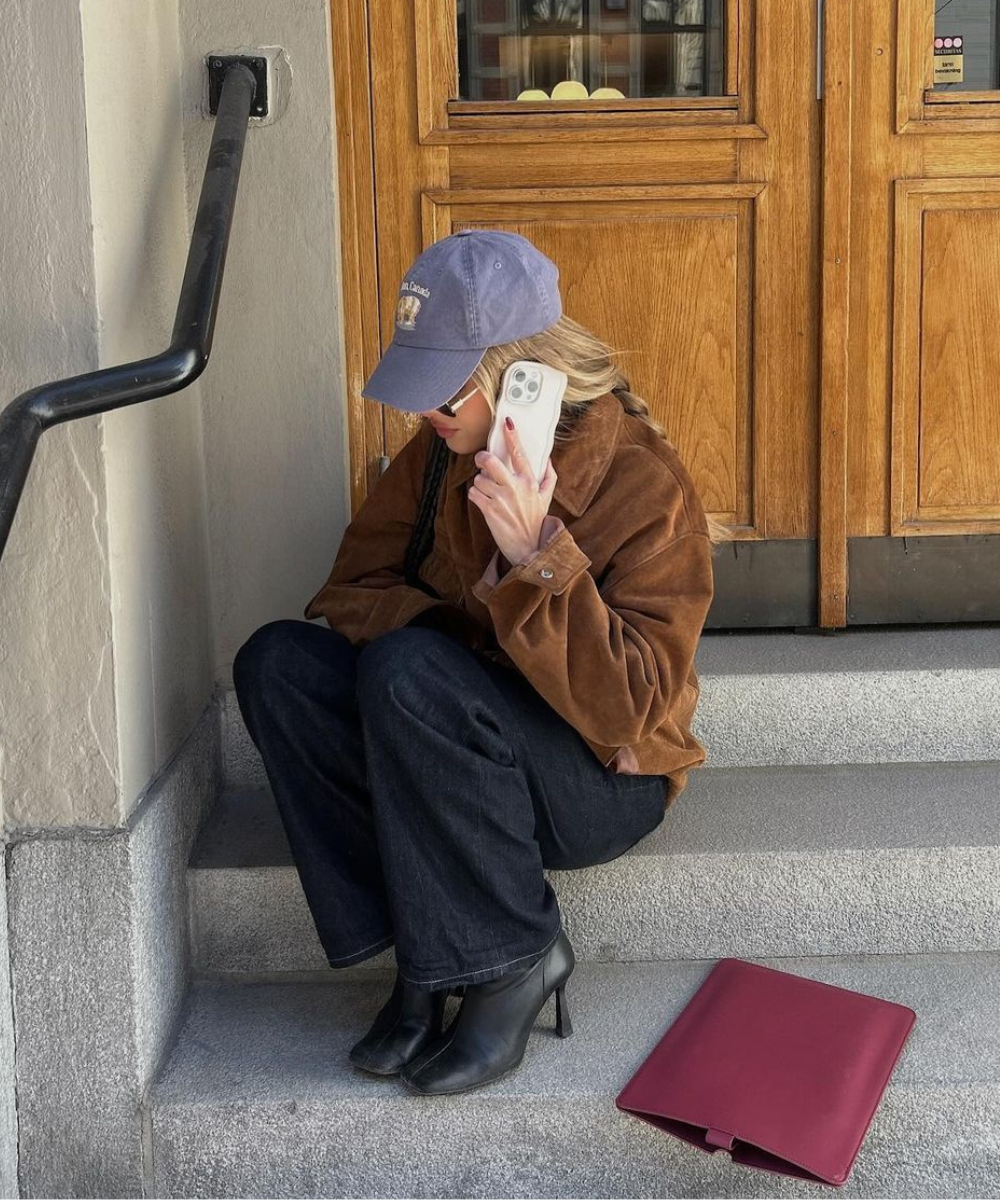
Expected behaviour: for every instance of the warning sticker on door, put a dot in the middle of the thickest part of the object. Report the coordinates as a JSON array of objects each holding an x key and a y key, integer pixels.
[{"x": 948, "y": 60}]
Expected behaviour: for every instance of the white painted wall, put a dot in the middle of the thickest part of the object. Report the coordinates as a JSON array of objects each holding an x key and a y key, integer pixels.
[
  {"x": 153, "y": 540},
  {"x": 59, "y": 761},
  {"x": 273, "y": 393},
  {"x": 158, "y": 565}
]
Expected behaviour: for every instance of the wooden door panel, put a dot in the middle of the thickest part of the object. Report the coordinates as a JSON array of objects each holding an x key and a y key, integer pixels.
[
  {"x": 620, "y": 164},
  {"x": 946, "y": 377},
  {"x": 668, "y": 280}
]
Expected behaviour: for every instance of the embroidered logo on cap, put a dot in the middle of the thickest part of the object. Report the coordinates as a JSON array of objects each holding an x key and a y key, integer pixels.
[{"x": 407, "y": 308}]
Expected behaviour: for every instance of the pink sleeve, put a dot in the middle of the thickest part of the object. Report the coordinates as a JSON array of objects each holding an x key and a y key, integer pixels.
[{"x": 551, "y": 527}]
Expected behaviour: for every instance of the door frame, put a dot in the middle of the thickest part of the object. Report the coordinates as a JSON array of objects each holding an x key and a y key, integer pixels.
[{"x": 834, "y": 21}]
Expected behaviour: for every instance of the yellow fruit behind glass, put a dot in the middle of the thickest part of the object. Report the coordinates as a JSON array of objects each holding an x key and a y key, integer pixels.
[
  {"x": 532, "y": 94},
  {"x": 606, "y": 93},
  {"x": 570, "y": 89}
]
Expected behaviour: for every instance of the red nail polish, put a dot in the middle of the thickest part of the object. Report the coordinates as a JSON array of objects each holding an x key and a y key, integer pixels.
[{"x": 510, "y": 423}]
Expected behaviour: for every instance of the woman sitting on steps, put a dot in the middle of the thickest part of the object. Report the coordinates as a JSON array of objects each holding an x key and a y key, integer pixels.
[{"x": 515, "y": 697}]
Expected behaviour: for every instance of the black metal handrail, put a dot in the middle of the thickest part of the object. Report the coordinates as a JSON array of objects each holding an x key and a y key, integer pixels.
[{"x": 24, "y": 419}]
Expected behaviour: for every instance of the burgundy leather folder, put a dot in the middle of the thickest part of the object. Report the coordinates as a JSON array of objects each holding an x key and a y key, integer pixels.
[{"x": 784, "y": 1072}]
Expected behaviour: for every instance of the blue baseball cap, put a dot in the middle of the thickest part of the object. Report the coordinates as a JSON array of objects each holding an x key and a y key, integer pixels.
[{"x": 474, "y": 289}]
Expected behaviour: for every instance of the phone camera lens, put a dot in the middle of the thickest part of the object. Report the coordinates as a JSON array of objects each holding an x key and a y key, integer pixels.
[
  {"x": 532, "y": 385},
  {"x": 518, "y": 375},
  {"x": 515, "y": 393}
]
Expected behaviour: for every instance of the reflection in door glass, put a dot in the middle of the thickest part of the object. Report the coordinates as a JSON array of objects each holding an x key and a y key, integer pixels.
[
  {"x": 589, "y": 49},
  {"x": 965, "y": 46}
]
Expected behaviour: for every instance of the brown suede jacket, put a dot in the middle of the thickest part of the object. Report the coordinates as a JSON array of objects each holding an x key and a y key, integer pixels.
[{"x": 603, "y": 619}]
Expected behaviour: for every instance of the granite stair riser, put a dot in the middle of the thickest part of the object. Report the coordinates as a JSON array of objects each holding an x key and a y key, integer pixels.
[
  {"x": 804, "y": 860},
  {"x": 774, "y": 697},
  {"x": 258, "y": 921},
  {"x": 773, "y": 720}
]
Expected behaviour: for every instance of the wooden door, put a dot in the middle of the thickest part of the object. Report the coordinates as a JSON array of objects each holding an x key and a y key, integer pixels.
[
  {"x": 910, "y": 427},
  {"x": 685, "y": 220}
]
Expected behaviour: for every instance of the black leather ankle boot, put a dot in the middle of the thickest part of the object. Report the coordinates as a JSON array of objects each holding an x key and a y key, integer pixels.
[
  {"x": 488, "y": 1037},
  {"x": 408, "y": 1021}
]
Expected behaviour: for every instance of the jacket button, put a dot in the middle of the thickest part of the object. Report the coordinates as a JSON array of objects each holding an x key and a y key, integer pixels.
[{"x": 545, "y": 572}]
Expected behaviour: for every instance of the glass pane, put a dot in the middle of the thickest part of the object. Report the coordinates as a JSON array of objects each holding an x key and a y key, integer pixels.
[
  {"x": 965, "y": 46},
  {"x": 589, "y": 49}
]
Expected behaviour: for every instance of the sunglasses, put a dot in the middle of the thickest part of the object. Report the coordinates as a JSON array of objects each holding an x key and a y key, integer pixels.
[{"x": 451, "y": 407}]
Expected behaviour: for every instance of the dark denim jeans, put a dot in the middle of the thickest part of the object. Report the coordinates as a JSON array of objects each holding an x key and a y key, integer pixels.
[{"x": 423, "y": 788}]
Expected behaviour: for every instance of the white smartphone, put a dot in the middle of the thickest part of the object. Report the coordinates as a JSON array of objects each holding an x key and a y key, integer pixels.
[{"x": 531, "y": 393}]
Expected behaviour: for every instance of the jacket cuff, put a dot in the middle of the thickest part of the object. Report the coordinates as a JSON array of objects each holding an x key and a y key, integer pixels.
[{"x": 553, "y": 566}]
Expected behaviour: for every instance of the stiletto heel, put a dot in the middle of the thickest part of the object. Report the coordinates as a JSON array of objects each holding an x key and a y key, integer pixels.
[{"x": 564, "y": 1026}]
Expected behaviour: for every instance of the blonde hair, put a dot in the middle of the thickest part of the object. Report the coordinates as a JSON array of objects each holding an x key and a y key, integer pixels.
[{"x": 587, "y": 360}]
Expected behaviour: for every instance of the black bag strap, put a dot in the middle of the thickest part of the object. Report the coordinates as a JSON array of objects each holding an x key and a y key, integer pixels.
[{"x": 422, "y": 537}]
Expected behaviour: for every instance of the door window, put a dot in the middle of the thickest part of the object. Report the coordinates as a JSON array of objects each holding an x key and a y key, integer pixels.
[
  {"x": 966, "y": 52},
  {"x": 577, "y": 50}
]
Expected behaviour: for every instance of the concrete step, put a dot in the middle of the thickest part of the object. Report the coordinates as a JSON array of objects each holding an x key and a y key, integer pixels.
[
  {"x": 774, "y": 697},
  {"x": 258, "y": 1097},
  {"x": 837, "y": 859}
]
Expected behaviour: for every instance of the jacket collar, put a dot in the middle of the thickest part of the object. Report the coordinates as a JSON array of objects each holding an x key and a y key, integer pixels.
[{"x": 580, "y": 462}]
